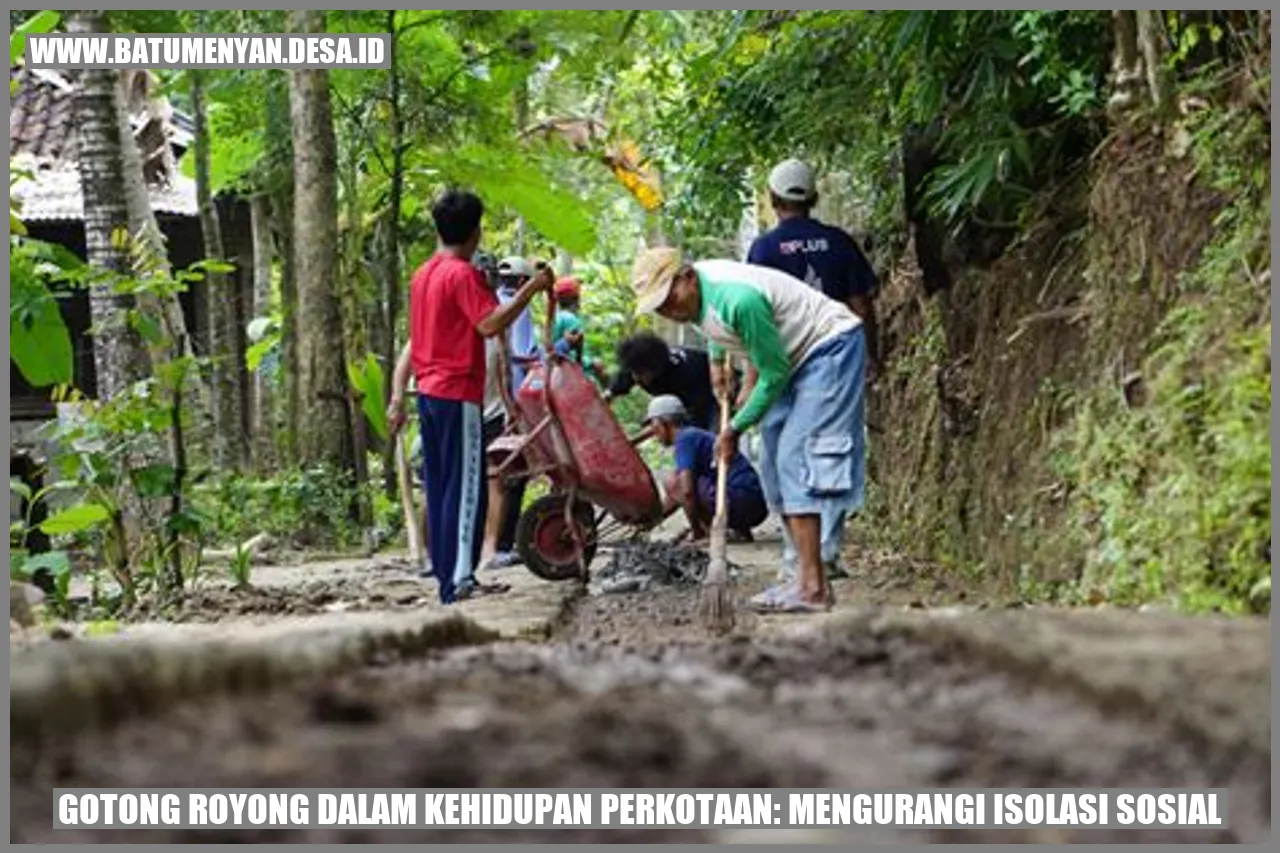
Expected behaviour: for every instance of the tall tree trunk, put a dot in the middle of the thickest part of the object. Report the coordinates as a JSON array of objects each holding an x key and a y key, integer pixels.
[
  {"x": 1125, "y": 29},
  {"x": 1126, "y": 65},
  {"x": 119, "y": 356},
  {"x": 522, "y": 121},
  {"x": 391, "y": 351},
  {"x": 116, "y": 201},
  {"x": 325, "y": 437},
  {"x": 229, "y": 445},
  {"x": 355, "y": 294},
  {"x": 373, "y": 311},
  {"x": 152, "y": 259},
  {"x": 241, "y": 252},
  {"x": 1151, "y": 40},
  {"x": 151, "y": 248},
  {"x": 289, "y": 370},
  {"x": 280, "y": 142},
  {"x": 264, "y": 398}
]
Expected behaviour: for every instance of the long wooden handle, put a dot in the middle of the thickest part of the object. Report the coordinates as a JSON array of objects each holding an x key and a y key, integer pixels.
[
  {"x": 548, "y": 323},
  {"x": 722, "y": 470},
  {"x": 412, "y": 530}
]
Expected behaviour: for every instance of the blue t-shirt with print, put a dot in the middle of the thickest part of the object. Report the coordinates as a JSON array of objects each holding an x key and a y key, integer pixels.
[
  {"x": 695, "y": 450},
  {"x": 818, "y": 254}
]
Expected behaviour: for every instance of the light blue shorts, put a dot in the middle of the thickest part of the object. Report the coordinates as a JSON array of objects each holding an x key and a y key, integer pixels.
[{"x": 814, "y": 455}]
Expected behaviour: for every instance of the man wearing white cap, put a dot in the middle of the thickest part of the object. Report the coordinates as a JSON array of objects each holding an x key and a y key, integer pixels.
[
  {"x": 809, "y": 354},
  {"x": 521, "y": 349},
  {"x": 522, "y": 337},
  {"x": 822, "y": 256},
  {"x": 830, "y": 261}
]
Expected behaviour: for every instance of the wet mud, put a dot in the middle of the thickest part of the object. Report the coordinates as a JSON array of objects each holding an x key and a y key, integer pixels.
[
  {"x": 642, "y": 566},
  {"x": 218, "y": 604},
  {"x": 633, "y": 693},
  {"x": 381, "y": 586}
]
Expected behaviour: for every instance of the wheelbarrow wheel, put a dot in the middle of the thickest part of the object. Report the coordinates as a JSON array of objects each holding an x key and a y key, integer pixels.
[{"x": 545, "y": 542}]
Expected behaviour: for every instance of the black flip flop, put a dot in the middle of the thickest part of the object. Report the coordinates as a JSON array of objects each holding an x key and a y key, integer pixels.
[{"x": 483, "y": 589}]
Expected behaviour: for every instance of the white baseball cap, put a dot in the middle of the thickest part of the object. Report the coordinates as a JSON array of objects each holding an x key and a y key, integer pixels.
[
  {"x": 665, "y": 406},
  {"x": 515, "y": 265},
  {"x": 792, "y": 180}
]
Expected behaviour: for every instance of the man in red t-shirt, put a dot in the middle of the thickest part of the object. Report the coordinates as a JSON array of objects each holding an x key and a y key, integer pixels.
[{"x": 451, "y": 312}]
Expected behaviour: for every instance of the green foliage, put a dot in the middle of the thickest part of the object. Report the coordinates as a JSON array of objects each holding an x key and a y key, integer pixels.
[
  {"x": 366, "y": 379},
  {"x": 840, "y": 88},
  {"x": 40, "y": 22},
  {"x": 263, "y": 352},
  {"x": 148, "y": 21},
  {"x": 503, "y": 178},
  {"x": 306, "y": 508},
  {"x": 101, "y": 628},
  {"x": 39, "y": 341},
  {"x": 233, "y": 157},
  {"x": 24, "y": 566},
  {"x": 76, "y": 519},
  {"x": 241, "y": 567},
  {"x": 121, "y": 456},
  {"x": 57, "y": 563},
  {"x": 1176, "y": 497},
  {"x": 1173, "y": 497}
]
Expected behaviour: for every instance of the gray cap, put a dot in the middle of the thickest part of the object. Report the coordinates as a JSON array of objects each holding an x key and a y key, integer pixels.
[
  {"x": 665, "y": 406},
  {"x": 515, "y": 265},
  {"x": 793, "y": 180}
]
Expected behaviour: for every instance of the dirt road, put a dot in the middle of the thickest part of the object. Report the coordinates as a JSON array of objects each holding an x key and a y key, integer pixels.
[{"x": 630, "y": 692}]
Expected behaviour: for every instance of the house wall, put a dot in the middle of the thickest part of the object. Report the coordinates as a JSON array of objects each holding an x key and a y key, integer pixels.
[{"x": 185, "y": 247}]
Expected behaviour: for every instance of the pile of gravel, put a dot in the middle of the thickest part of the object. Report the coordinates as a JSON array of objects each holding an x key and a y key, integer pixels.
[{"x": 636, "y": 566}]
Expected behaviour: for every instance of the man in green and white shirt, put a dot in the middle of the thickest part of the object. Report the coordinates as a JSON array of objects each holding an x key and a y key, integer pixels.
[{"x": 808, "y": 401}]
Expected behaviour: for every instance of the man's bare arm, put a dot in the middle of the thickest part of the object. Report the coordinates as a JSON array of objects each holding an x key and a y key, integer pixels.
[
  {"x": 865, "y": 308},
  {"x": 497, "y": 321},
  {"x": 399, "y": 381}
]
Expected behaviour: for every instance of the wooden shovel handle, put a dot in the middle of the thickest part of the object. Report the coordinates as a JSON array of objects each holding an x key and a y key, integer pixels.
[
  {"x": 411, "y": 526},
  {"x": 722, "y": 470}
]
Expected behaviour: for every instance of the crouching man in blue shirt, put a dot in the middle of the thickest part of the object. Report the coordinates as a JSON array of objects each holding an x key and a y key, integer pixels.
[{"x": 693, "y": 484}]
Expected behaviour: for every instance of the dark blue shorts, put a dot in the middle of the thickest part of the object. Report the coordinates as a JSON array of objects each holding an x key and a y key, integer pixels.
[{"x": 747, "y": 507}]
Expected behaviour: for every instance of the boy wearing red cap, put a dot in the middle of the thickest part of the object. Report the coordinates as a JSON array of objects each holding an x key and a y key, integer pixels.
[{"x": 568, "y": 332}]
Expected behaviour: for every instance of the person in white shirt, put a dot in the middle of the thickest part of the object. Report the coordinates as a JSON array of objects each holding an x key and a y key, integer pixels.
[{"x": 517, "y": 350}]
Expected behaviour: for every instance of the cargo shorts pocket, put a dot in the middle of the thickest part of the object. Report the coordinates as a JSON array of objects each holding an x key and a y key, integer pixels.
[{"x": 830, "y": 460}]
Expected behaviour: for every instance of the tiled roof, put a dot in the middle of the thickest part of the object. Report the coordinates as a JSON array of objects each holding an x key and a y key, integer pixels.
[
  {"x": 41, "y": 119},
  {"x": 42, "y": 141},
  {"x": 54, "y": 194}
]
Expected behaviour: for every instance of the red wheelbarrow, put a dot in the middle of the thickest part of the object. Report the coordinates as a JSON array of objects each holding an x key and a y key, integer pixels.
[{"x": 560, "y": 427}]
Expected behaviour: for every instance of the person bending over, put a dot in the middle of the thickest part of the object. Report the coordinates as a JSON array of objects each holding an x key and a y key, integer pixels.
[
  {"x": 809, "y": 355},
  {"x": 647, "y": 360}
]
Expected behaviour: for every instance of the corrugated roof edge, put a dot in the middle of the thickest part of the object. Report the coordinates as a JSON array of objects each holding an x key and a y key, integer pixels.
[{"x": 55, "y": 195}]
